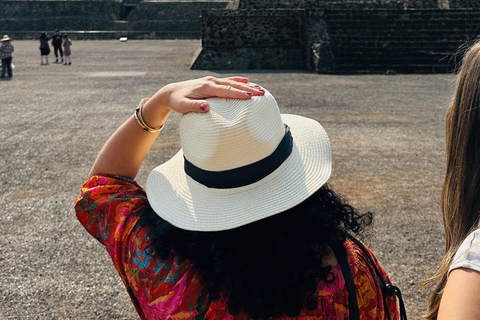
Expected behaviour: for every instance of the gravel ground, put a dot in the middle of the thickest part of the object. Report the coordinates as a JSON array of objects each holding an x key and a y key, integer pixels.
[{"x": 387, "y": 135}]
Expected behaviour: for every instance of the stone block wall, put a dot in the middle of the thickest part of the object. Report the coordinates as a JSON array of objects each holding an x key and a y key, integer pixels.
[
  {"x": 50, "y": 9},
  {"x": 361, "y": 5},
  {"x": 272, "y": 4},
  {"x": 48, "y": 15},
  {"x": 63, "y": 23},
  {"x": 422, "y": 4},
  {"x": 165, "y": 18},
  {"x": 352, "y": 4},
  {"x": 39, "y": 8},
  {"x": 319, "y": 54},
  {"x": 460, "y": 4},
  {"x": 252, "y": 39},
  {"x": 338, "y": 4},
  {"x": 154, "y": 10},
  {"x": 171, "y": 19},
  {"x": 402, "y": 40},
  {"x": 332, "y": 40}
]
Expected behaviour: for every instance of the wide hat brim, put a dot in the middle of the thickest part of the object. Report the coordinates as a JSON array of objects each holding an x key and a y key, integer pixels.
[
  {"x": 5, "y": 39},
  {"x": 189, "y": 205}
]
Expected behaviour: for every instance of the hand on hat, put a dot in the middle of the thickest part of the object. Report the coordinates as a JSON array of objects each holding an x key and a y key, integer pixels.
[
  {"x": 189, "y": 96},
  {"x": 125, "y": 150}
]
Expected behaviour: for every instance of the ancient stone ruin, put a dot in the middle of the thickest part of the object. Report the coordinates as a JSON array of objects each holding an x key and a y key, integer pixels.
[
  {"x": 326, "y": 36},
  {"x": 105, "y": 19},
  {"x": 338, "y": 36}
]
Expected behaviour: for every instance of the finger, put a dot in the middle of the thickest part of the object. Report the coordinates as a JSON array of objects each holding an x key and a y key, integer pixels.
[
  {"x": 228, "y": 91},
  {"x": 238, "y": 79},
  {"x": 254, "y": 89},
  {"x": 191, "y": 105},
  {"x": 234, "y": 83}
]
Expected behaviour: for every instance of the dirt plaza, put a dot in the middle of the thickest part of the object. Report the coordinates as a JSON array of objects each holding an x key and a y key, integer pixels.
[{"x": 387, "y": 134}]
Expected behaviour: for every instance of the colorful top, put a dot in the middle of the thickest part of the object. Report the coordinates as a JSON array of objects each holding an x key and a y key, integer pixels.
[{"x": 109, "y": 208}]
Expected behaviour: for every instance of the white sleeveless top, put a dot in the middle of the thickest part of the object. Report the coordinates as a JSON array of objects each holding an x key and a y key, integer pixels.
[{"x": 468, "y": 255}]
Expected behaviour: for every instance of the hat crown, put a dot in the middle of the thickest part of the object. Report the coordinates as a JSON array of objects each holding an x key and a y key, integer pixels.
[
  {"x": 234, "y": 133},
  {"x": 233, "y": 143}
]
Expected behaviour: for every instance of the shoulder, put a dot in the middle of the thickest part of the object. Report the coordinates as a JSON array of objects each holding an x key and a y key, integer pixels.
[
  {"x": 460, "y": 298},
  {"x": 108, "y": 190},
  {"x": 105, "y": 205},
  {"x": 468, "y": 255}
]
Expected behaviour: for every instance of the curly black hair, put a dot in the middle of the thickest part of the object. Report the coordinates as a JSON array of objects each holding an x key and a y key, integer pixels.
[{"x": 270, "y": 267}]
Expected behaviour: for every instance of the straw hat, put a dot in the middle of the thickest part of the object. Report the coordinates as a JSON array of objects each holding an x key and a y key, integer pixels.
[
  {"x": 245, "y": 162},
  {"x": 5, "y": 38}
]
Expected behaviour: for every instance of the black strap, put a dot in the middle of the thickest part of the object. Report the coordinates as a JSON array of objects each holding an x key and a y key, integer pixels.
[
  {"x": 341, "y": 255},
  {"x": 388, "y": 289},
  {"x": 245, "y": 175}
]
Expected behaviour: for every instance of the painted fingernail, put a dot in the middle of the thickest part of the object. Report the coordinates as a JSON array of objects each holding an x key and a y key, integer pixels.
[
  {"x": 261, "y": 90},
  {"x": 257, "y": 86},
  {"x": 249, "y": 93},
  {"x": 203, "y": 106}
]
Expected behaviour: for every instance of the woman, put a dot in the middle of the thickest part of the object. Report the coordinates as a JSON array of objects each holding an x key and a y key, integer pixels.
[
  {"x": 239, "y": 224},
  {"x": 457, "y": 295},
  {"x": 44, "y": 48},
  {"x": 67, "y": 43}
]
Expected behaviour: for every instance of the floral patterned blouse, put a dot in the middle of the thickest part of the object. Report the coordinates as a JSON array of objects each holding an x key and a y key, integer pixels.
[{"x": 109, "y": 208}]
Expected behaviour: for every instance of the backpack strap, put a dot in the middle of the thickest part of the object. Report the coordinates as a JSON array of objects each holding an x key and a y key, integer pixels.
[
  {"x": 388, "y": 289},
  {"x": 341, "y": 255}
]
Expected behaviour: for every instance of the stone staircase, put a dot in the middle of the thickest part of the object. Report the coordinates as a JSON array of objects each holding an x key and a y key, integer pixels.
[{"x": 105, "y": 19}]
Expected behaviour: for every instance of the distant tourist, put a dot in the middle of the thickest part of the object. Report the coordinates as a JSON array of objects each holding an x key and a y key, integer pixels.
[
  {"x": 6, "y": 53},
  {"x": 44, "y": 48},
  {"x": 67, "y": 42},
  {"x": 57, "y": 45}
]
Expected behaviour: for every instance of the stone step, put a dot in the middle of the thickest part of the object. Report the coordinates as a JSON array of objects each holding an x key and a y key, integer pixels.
[
  {"x": 440, "y": 39},
  {"x": 375, "y": 69}
]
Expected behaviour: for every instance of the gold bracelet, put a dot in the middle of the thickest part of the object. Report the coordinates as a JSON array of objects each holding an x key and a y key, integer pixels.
[{"x": 139, "y": 118}]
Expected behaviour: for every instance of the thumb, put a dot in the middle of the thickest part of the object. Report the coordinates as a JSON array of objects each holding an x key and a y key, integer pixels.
[
  {"x": 191, "y": 105},
  {"x": 201, "y": 106}
]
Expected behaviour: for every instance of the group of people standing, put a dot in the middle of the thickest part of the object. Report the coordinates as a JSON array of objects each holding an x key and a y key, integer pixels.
[
  {"x": 61, "y": 45},
  {"x": 58, "y": 41}
]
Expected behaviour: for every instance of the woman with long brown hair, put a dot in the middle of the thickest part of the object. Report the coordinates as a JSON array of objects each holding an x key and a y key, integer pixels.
[{"x": 457, "y": 295}]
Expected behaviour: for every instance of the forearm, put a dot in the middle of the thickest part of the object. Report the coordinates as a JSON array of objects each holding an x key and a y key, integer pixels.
[
  {"x": 124, "y": 152},
  {"x": 126, "y": 149}
]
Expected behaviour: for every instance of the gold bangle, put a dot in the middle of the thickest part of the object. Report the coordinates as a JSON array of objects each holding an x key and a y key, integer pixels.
[{"x": 139, "y": 118}]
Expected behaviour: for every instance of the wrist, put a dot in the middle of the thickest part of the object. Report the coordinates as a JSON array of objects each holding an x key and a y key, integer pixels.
[
  {"x": 141, "y": 122},
  {"x": 155, "y": 113}
]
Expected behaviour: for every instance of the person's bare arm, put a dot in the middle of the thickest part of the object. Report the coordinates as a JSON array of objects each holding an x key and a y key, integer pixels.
[
  {"x": 125, "y": 150},
  {"x": 461, "y": 297}
]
